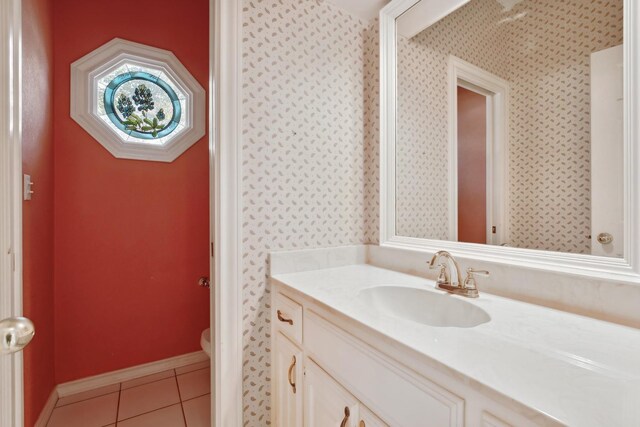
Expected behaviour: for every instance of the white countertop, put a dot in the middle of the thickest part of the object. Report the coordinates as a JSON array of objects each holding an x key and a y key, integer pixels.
[{"x": 578, "y": 370}]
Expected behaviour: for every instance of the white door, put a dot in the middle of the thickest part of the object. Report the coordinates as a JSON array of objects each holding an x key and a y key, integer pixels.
[
  {"x": 15, "y": 332},
  {"x": 607, "y": 88},
  {"x": 287, "y": 379}
]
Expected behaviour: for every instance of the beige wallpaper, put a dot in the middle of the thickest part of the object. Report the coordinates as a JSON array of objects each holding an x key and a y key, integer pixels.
[
  {"x": 304, "y": 152},
  {"x": 542, "y": 48},
  {"x": 372, "y": 132}
]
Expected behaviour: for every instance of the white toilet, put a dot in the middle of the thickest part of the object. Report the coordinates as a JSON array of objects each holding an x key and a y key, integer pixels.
[{"x": 205, "y": 341}]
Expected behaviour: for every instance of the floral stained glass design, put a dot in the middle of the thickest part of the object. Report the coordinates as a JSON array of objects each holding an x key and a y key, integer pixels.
[{"x": 142, "y": 104}]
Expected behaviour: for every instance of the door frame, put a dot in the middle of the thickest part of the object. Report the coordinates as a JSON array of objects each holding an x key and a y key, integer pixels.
[
  {"x": 226, "y": 216},
  {"x": 11, "y": 370},
  {"x": 225, "y": 208},
  {"x": 496, "y": 90}
]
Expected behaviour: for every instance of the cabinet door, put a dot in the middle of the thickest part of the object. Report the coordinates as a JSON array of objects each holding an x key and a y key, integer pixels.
[
  {"x": 368, "y": 419},
  {"x": 287, "y": 383},
  {"x": 327, "y": 403}
]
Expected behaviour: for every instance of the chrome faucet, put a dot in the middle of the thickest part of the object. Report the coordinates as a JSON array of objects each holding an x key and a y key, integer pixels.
[{"x": 449, "y": 276}]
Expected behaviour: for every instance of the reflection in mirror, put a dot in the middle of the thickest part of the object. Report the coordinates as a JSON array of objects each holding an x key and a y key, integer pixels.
[{"x": 510, "y": 125}]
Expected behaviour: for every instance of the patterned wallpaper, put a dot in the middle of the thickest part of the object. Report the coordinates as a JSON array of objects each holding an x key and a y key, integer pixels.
[
  {"x": 372, "y": 132},
  {"x": 542, "y": 48},
  {"x": 304, "y": 152}
]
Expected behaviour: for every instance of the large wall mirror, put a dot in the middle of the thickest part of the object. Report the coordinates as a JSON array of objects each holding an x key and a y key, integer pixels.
[{"x": 508, "y": 128}]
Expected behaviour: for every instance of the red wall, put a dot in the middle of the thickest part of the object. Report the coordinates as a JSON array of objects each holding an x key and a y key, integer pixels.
[
  {"x": 472, "y": 167},
  {"x": 37, "y": 216},
  {"x": 131, "y": 237}
]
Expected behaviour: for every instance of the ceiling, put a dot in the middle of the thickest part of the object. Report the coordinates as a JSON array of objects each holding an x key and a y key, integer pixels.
[
  {"x": 364, "y": 9},
  {"x": 425, "y": 13}
]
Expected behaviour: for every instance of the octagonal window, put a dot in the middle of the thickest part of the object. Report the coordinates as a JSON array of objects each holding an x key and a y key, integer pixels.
[{"x": 139, "y": 102}]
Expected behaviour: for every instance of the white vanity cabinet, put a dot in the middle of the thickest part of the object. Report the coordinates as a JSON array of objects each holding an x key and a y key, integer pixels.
[{"x": 324, "y": 376}]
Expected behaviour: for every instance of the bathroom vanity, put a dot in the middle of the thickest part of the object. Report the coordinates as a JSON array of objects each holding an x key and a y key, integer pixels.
[{"x": 359, "y": 345}]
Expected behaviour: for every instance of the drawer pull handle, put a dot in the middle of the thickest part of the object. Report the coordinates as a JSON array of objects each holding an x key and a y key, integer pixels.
[
  {"x": 345, "y": 420},
  {"x": 291, "y": 382},
  {"x": 284, "y": 319}
]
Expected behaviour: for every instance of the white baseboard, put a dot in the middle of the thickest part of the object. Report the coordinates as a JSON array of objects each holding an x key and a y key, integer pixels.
[
  {"x": 45, "y": 414},
  {"x": 114, "y": 377}
]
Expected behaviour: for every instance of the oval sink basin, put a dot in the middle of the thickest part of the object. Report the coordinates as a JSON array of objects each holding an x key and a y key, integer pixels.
[{"x": 424, "y": 306}]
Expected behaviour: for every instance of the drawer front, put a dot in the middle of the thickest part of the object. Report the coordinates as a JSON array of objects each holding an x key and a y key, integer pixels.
[
  {"x": 287, "y": 317},
  {"x": 398, "y": 396}
]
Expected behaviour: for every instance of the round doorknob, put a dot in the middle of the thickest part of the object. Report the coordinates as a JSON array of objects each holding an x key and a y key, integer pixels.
[
  {"x": 15, "y": 334},
  {"x": 604, "y": 238}
]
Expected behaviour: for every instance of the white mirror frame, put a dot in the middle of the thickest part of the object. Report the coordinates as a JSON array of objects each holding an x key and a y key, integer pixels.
[{"x": 625, "y": 269}]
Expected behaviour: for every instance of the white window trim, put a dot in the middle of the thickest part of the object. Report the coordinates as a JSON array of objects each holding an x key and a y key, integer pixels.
[{"x": 85, "y": 73}]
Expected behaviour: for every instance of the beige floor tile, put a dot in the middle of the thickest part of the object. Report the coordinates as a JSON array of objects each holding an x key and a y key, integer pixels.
[
  {"x": 149, "y": 397},
  {"x": 148, "y": 379},
  {"x": 198, "y": 411},
  {"x": 193, "y": 367},
  {"x": 194, "y": 384},
  {"x": 165, "y": 417},
  {"x": 96, "y": 412},
  {"x": 88, "y": 395}
]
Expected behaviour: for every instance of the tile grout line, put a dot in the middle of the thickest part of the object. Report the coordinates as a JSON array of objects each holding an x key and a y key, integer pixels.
[
  {"x": 88, "y": 398},
  {"x": 148, "y": 412},
  {"x": 150, "y": 382},
  {"x": 120, "y": 388},
  {"x": 184, "y": 417},
  {"x": 118, "y": 407},
  {"x": 51, "y": 414},
  {"x": 195, "y": 397},
  {"x": 153, "y": 410},
  {"x": 195, "y": 370}
]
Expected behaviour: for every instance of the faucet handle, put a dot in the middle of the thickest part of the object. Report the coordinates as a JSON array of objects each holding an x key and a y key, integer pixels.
[
  {"x": 443, "y": 277},
  {"x": 470, "y": 280}
]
